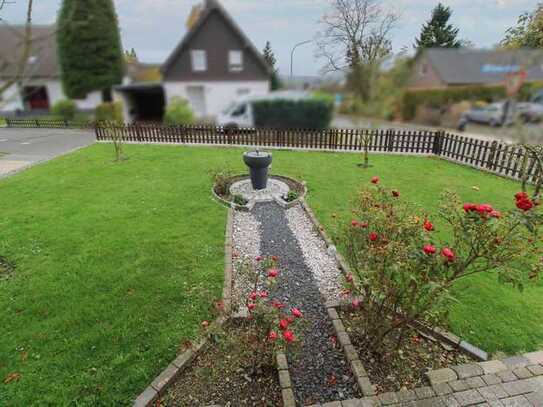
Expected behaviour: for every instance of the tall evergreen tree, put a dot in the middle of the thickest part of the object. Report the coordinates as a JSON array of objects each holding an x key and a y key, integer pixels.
[
  {"x": 270, "y": 59},
  {"x": 437, "y": 32},
  {"x": 89, "y": 47}
]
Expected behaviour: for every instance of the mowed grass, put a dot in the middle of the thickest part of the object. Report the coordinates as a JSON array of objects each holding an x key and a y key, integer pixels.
[{"x": 117, "y": 263}]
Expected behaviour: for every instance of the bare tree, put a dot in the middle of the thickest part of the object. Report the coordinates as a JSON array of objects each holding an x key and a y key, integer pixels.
[
  {"x": 356, "y": 38},
  {"x": 17, "y": 68}
]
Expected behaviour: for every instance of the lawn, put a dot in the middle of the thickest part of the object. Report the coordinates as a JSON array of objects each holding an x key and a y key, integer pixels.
[{"x": 117, "y": 263}]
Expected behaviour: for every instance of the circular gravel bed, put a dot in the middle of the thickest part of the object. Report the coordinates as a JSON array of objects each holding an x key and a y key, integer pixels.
[{"x": 274, "y": 190}]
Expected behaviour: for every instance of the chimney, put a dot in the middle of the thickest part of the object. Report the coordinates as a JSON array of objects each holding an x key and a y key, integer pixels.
[{"x": 194, "y": 16}]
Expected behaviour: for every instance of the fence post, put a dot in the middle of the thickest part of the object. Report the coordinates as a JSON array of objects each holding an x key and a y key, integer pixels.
[
  {"x": 438, "y": 143},
  {"x": 37, "y": 123},
  {"x": 391, "y": 133},
  {"x": 8, "y": 122},
  {"x": 492, "y": 156}
]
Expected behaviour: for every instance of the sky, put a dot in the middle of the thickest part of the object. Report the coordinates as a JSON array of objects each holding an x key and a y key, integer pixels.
[{"x": 154, "y": 27}]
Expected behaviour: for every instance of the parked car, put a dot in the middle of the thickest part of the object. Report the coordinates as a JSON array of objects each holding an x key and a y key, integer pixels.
[
  {"x": 491, "y": 114},
  {"x": 530, "y": 112}
]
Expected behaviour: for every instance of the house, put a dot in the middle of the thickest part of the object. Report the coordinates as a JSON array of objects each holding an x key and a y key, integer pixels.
[
  {"x": 213, "y": 65},
  {"x": 445, "y": 67},
  {"x": 40, "y": 87}
]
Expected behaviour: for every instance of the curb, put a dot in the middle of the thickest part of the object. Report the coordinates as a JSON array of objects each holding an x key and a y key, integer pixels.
[
  {"x": 287, "y": 392},
  {"x": 159, "y": 385}
]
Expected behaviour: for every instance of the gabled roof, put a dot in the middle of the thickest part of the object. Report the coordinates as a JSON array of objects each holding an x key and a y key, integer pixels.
[
  {"x": 469, "y": 66},
  {"x": 210, "y": 7},
  {"x": 43, "y": 56}
]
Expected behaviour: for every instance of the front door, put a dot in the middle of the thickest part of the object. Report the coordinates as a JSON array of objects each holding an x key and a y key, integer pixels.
[{"x": 197, "y": 100}]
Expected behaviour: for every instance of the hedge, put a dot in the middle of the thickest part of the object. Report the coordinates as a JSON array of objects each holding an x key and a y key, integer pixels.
[
  {"x": 110, "y": 112},
  {"x": 440, "y": 98},
  {"x": 313, "y": 113}
]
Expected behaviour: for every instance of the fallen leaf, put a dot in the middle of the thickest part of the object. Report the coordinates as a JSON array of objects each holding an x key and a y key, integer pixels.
[{"x": 12, "y": 377}]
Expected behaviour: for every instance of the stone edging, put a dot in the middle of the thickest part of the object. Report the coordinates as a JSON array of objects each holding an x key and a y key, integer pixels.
[
  {"x": 159, "y": 385},
  {"x": 284, "y": 380}
]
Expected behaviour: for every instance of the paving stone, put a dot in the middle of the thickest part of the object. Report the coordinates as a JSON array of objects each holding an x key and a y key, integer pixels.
[
  {"x": 332, "y": 404},
  {"x": 351, "y": 403},
  {"x": 475, "y": 382},
  {"x": 282, "y": 361},
  {"x": 494, "y": 392},
  {"x": 284, "y": 379},
  {"x": 495, "y": 403},
  {"x": 536, "y": 370},
  {"x": 344, "y": 339},
  {"x": 535, "y": 357},
  {"x": 450, "y": 401},
  {"x": 406, "y": 395},
  {"x": 146, "y": 398},
  {"x": 288, "y": 398},
  {"x": 166, "y": 377},
  {"x": 388, "y": 398},
  {"x": 338, "y": 326},
  {"x": 442, "y": 389},
  {"x": 473, "y": 350},
  {"x": 358, "y": 368},
  {"x": 522, "y": 373},
  {"x": 459, "y": 385},
  {"x": 350, "y": 353},
  {"x": 432, "y": 402},
  {"x": 469, "y": 397},
  {"x": 490, "y": 379},
  {"x": 517, "y": 401},
  {"x": 535, "y": 398},
  {"x": 493, "y": 366},
  {"x": 506, "y": 376},
  {"x": 516, "y": 361},
  {"x": 519, "y": 387},
  {"x": 365, "y": 386},
  {"x": 184, "y": 358},
  {"x": 468, "y": 370},
  {"x": 424, "y": 392},
  {"x": 441, "y": 376},
  {"x": 369, "y": 402},
  {"x": 332, "y": 313}
]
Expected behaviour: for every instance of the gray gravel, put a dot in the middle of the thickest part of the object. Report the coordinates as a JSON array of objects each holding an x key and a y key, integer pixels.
[
  {"x": 317, "y": 257},
  {"x": 319, "y": 370}
]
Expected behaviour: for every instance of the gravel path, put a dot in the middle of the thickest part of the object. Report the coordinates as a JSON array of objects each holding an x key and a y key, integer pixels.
[
  {"x": 322, "y": 264},
  {"x": 319, "y": 371}
]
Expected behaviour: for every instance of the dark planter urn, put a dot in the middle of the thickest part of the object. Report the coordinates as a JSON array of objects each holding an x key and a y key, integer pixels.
[{"x": 258, "y": 163}]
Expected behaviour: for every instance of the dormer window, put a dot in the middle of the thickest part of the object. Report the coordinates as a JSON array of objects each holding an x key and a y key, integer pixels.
[
  {"x": 235, "y": 61},
  {"x": 199, "y": 60}
]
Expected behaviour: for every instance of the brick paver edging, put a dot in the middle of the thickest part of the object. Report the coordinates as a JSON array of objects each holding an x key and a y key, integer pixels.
[{"x": 159, "y": 385}]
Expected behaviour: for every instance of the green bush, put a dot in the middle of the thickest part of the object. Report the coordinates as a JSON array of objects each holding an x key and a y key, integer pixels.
[
  {"x": 110, "y": 112},
  {"x": 178, "y": 111},
  {"x": 64, "y": 109},
  {"x": 315, "y": 113},
  {"x": 441, "y": 98}
]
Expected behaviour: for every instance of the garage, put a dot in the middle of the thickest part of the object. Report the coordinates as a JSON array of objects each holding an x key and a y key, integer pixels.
[{"x": 143, "y": 102}]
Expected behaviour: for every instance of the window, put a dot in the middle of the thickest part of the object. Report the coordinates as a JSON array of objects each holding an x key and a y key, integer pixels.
[
  {"x": 199, "y": 60},
  {"x": 235, "y": 61},
  {"x": 240, "y": 110}
]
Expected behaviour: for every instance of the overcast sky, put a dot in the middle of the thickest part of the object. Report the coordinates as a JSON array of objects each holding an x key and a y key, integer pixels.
[{"x": 154, "y": 27}]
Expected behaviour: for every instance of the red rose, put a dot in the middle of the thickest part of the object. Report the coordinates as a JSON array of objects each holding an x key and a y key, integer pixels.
[
  {"x": 375, "y": 180},
  {"x": 258, "y": 258},
  {"x": 252, "y": 296},
  {"x": 354, "y": 223},
  {"x": 428, "y": 225},
  {"x": 495, "y": 214},
  {"x": 484, "y": 208},
  {"x": 349, "y": 277},
  {"x": 263, "y": 294},
  {"x": 289, "y": 336},
  {"x": 363, "y": 225},
  {"x": 296, "y": 312},
  {"x": 274, "y": 258},
  {"x": 519, "y": 196},
  {"x": 525, "y": 204},
  {"x": 277, "y": 304},
  {"x": 355, "y": 303},
  {"x": 395, "y": 194},
  {"x": 272, "y": 273},
  {"x": 469, "y": 207},
  {"x": 283, "y": 324},
  {"x": 373, "y": 236},
  {"x": 448, "y": 253},
  {"x": 429, "y": 249},
  {"x": 272, "y": 336},
  {"x": 251, "y": 306}
]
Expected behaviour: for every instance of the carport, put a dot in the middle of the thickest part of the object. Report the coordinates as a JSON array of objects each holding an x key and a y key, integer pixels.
[{"x": 143, "y": 102}]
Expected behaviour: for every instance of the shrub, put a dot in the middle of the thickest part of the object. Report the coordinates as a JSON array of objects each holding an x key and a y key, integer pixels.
[
  {"x": 313, "y": 113},
  {"x": 403, "y": 272},
  {"x": 239, "y": 200},
  {"x": 291, "y": 196},
  {"x": 221, "y": 181},
  {"x": 65, "y": 109},
  {"x": 110, "y": 112},
  {"x": 177, "y": 112}
]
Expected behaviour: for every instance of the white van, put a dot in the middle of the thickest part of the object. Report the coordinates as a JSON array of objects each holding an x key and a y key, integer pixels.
[{"x": 240, "y": 113}]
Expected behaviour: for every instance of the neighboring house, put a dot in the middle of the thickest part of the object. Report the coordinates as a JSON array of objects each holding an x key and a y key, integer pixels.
[
  {"x": 40, "y": 87},
  {"x": 213, "y": 65},
  {"x": 445, "y": 67}
]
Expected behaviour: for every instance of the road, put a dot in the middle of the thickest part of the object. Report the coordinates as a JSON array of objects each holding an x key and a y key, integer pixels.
[
  {"x": 481, "y": 132},
  {"x": 20, "y": 148}
]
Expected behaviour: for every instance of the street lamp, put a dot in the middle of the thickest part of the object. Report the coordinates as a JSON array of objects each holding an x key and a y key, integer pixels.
[{"x": 292, "y": 54}]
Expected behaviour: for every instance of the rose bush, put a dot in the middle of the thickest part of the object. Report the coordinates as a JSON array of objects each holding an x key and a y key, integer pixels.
[{"x": 401, "y": 269}]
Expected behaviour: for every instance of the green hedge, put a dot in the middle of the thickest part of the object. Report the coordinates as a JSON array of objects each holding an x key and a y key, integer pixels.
[
  {"x": 439, "y": 98},
  {"x": 313, "y": 113},
  {"x": 64, "y": 109},
  {"x": 110, "y": 112},
  {"x": 178, "y": 112}
]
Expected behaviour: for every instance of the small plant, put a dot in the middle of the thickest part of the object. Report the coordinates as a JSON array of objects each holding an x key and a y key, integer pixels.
[
  {"x": 109, "y": 112},
  {"x": 291, "y": 196},
  {"x": 178, "y": 112},
  {"x": 239, "y": 200},
  {"x": 403, "y": 272},
  {"x": 221, "y": 181},
  {"x": 64, "y": 109}
]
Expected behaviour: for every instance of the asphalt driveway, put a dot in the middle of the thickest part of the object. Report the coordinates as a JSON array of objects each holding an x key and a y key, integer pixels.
[{"x": 20, "y": 148}]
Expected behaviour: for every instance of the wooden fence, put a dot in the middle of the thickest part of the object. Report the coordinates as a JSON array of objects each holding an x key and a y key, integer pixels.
[{"x": 48, "y": 123}]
